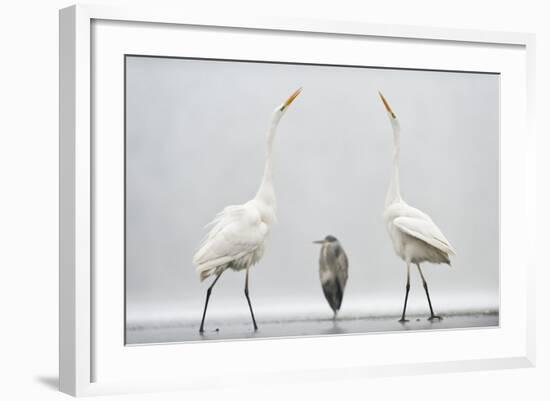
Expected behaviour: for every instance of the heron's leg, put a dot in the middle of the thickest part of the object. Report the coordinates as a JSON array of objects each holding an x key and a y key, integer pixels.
[
  {"x": 248, "y": 299},
  {"x": 432, "y": 316},
  {"x": 208, "y": 292},
  {"x": 407, "y": 287}
]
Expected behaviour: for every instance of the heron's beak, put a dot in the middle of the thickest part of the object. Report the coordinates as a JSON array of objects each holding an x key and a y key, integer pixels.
[
  {"x": 321, "y": 241},
  {"x": 291, "y": 98},
  {"x": 387, "y": 105}
]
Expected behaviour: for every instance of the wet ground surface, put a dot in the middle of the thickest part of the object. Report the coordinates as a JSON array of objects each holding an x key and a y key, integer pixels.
[{"x": 219, "y": 330}]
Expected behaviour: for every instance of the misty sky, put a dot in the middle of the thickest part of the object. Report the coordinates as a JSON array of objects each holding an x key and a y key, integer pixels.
[{"x": 195, "y": 143}]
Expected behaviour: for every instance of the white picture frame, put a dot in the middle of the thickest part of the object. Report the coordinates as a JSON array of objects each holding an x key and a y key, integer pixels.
[{"x": 86, "y": 350}]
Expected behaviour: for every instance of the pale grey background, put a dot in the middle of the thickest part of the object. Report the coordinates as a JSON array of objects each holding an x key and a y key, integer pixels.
[{"x": 195, "y": 142}]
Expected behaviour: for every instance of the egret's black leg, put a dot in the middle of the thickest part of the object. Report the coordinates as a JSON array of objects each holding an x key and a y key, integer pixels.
[
  {"x": 208, "y": 292},
  {"x": 248, "y": 299},
  {"x": 432, "y": 316},
  {"x": 407, "y": 287}
]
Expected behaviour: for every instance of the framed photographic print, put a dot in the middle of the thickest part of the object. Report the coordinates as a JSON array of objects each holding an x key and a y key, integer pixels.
[{"x": 315, "y": 185}]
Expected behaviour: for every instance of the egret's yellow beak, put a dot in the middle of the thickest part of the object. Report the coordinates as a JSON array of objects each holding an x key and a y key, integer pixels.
[
  {"x": 387, "y": 105},
  {"x": 321, "y": 241},
  {"x": 291, "y": 98}
]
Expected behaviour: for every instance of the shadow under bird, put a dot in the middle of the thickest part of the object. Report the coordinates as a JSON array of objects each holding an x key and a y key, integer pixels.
[
  {"x": 239, "y": 233},
  {"x": 414, "y": 235},
  {"x": 333, "y": 271}
]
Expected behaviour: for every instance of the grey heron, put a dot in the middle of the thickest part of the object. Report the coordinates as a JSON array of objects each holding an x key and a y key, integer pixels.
[{"x": 333, "y": 271}]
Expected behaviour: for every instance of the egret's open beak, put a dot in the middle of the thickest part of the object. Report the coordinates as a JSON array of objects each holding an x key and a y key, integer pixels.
[
  {"x": 321, "y": 241},
  {"x": 291, "y": 98},
  {"x": 387, "y": 105}
]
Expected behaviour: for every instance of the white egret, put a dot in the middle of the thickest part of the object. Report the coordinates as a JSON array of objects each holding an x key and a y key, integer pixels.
[
  {"x": 238, "y": 234},
  {"x": 414, "y": 235},
  {"x": 333, "y": 271}
]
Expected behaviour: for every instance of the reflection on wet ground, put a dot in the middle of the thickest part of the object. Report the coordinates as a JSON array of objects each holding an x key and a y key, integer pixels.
[{"x": 219, "y": 330}]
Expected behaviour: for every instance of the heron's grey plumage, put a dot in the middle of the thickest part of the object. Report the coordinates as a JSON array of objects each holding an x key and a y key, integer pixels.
[{"x": 333, "y": 271}]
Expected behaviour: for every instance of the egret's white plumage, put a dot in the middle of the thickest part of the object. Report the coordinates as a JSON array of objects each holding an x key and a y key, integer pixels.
[
  {"x": 236, "y": 239},
  {"x": 238, "y": 235},
  {"x": 414, "y": 235}
]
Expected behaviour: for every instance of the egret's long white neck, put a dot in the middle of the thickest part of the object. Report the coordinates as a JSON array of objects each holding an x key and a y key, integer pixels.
[
  {"x": 266, "y": 192},
  {"x": 394, "y": 191}
]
